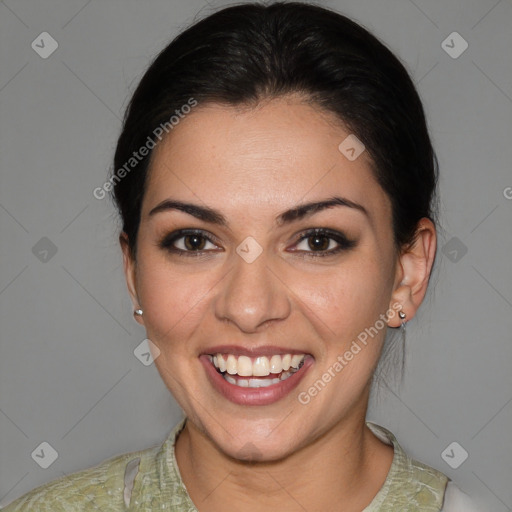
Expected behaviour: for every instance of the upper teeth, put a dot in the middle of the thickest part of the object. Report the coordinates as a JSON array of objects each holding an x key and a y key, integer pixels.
[{"x": 257, "y": 366}]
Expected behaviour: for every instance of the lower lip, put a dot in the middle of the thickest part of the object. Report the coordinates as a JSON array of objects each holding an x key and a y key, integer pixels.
[{"x": 254, "y": 396}]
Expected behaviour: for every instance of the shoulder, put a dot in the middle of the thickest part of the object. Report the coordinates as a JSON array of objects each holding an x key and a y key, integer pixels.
[
  {"x": 457, "y": 501},
  {"x": 407, "y": 470},
  {"x": 97, "y": 488},
  {"x": 410, "y": 484}
]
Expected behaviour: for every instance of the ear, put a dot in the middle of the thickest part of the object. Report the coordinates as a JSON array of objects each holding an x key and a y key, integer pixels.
[
  {"x": 130, "y": 274},
  {"x": 413, "y": 272}
]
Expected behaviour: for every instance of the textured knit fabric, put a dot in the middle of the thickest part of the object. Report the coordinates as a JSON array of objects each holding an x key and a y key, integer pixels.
[{"x": 149, "y": 480}]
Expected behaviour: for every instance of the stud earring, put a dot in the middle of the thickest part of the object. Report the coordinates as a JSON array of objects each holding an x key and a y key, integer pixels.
[
  {"x": 402, "y": 316},
  {"x": 138, "y": 312}
]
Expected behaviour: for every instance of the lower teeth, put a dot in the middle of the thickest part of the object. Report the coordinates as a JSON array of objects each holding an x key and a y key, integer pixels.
[{"x": 259, "y": 383}]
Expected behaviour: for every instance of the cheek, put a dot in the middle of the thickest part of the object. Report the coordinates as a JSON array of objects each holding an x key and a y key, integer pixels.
[
  {"x": 348, "y": 299},
  {"x": 174, "y": 302}
]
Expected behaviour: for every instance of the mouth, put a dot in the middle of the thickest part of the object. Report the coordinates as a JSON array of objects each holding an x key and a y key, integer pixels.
[
  {"x": 256, "y": 372},
  {"x": 255, "y": 379}
]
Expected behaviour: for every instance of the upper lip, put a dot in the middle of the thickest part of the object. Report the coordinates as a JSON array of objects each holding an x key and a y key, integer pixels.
[{"x": 263, "y": 350}]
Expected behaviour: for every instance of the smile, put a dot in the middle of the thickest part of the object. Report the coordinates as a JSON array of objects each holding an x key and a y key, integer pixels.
[
  {"x": 264, "y": 370},
  {"x": 255, "y": 379}
]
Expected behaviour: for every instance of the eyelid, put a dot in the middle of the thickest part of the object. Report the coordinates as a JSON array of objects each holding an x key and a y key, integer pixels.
[
  {"x": 169, "y": 239},
  {"x": 344, "y": 242}
]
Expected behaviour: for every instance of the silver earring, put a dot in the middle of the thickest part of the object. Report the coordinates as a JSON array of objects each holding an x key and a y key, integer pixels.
[
  {"x": 138, "y": 312},
  {"x": 402, "y": 316}
]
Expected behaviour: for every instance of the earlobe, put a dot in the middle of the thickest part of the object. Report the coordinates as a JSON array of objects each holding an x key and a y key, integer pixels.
[
  {"x": 415, "y": 265},
  {"x": 130, "y": 276}
]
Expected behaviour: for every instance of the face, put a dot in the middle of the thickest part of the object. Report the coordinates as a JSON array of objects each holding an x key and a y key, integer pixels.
[{"x": 254, "y": 283}]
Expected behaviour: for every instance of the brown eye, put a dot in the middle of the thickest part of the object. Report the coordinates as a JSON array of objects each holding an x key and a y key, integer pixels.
[
  {"x": 318, "y": 242},
  {"x": 323, "y": 242},
  {"x": 194, "y": 242},
  {"x": 187, "y": 242}
]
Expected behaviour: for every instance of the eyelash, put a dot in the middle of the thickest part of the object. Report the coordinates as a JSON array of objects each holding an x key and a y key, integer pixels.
[{"x": 343, "y": 242}]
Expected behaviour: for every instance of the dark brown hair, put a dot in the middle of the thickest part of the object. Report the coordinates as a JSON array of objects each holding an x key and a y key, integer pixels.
[{"x": 245, "y": 53}]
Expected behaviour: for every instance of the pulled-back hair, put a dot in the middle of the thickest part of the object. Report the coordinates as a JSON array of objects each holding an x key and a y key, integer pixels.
[{"x": 247, "y": 53}]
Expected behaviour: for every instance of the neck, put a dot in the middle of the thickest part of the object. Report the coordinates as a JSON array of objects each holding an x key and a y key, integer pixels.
[{"x": 346, "y": 465}]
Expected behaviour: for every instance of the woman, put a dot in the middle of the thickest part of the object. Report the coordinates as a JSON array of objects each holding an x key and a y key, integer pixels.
[{"x": 276, "y": 183}]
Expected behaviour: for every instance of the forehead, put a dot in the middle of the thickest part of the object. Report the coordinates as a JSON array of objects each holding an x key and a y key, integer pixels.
[{"x": 266, "y": 158}]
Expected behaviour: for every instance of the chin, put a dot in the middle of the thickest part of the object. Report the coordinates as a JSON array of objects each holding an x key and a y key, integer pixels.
[{"x": 256, "y": 440}]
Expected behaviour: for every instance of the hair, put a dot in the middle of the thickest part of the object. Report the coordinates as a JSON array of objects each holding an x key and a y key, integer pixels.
[
  {"x": 248, "y": 53},
  {"x": 252, "y": 52}
]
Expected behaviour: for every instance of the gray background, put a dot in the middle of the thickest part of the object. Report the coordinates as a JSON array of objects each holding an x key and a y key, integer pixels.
[{"x": 68, "y": 374}]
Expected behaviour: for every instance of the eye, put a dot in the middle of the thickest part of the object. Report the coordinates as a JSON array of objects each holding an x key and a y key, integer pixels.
[
  {"x": 187, "y": 242},
  {"x": 321, "y": 242},
  {"x": 318, "y": 242}
]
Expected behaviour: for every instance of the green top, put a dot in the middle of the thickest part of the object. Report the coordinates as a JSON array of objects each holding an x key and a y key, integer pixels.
[{"x": 157, "y": 485}]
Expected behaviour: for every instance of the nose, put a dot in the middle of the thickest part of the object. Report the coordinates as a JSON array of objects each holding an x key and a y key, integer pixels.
[{"x": 253, "y": 295}]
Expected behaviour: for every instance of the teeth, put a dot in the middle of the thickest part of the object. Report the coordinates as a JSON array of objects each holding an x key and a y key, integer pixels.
[
  {"x": 276, "y": 364},
  {"x": 259, "y": 383},
  {"x": 231, "y": 380},
  {"x": 220, "y": 363},
  {"x": 231, "y": 364},
  {"x": 259, "y": 366},
  {"x": 244, "y": 366},
  {"x": 256, "y": 383},
  {"x": 296, "y": 359}
]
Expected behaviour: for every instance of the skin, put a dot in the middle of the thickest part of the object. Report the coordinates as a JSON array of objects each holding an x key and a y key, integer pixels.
[{"x": 251, "y": 164}]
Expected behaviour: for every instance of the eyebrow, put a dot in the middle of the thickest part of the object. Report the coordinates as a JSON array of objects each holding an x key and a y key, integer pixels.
[{"x": 213, "y": 216}]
